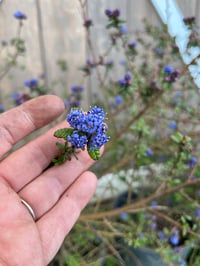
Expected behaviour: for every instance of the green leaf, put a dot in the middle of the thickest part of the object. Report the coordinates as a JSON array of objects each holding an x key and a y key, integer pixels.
[
  {"x": 63, "y": 132},
  {"x": 178, "y": 137},
  {"x": 60, "y": 146},
  {"x": 94, "y": 154}
]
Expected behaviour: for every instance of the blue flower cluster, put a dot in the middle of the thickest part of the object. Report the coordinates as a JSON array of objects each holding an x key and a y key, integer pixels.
[
  {"x": 112, "y": 14},
  {"x": 170, "y": 74},
  {"x": 89, "y": 128},
  {"x": 32, "y": 83},
  {"x": 126, "y": 80},
  {"x": 19, "y": 15}
]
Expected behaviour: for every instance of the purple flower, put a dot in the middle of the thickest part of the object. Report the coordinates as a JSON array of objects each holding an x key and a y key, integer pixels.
[
  {"x": 161, "y": 235},
  {"x": 75, "y": 117},
  {"x": 20, "y": 98},
  {"x": 192, "y": 161},
  {"x": 77, "y": 139},
  {"x": 128, "y": 76},
  {"x": 168, "y": 70},
  {"x": 89, "y": 128},
  {"x": 174, "y": 239},
  {"x": 124, "y": 216},
  {"x": 119, "y": 99},
  {"x": 108, "y": 12},
  {"x": 19, "y": 15},
  {"x": 149, "y": 152},
  {"x": 112, "y": 14},
  {"x": 126, "y": 81},
  {"x": 132, "y": 45},
  {"x": 116, "y": 13},
  {"x": 123, "y": 29},
  {"x": 97, "y": 140},
  {"x": 159, "y": 51},
  {"x": 198, "y": 212},
  {"x": 88, "y": 23},
  {"x": 77, "y": 89},
  {"x": 173, "y": 125},
  {"x": 1, "y": 108},
  {"x": 154, "y": 203},
  {"x": 32, "y": 83}
]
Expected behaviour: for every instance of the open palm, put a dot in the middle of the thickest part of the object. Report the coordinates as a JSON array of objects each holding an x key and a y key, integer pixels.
[{"x": 57, "y": 194}]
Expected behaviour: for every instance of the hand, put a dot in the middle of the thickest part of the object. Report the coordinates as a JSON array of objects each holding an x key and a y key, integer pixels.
[{"x": 57, "y": 195}]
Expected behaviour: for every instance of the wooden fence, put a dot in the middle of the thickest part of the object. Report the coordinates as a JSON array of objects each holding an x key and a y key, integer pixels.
[{"x": 54, "y": 31}]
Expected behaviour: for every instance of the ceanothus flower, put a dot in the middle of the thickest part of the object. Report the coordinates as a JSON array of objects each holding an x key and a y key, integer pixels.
[
  {"x": 91, "y": 125},
  {"x": 32, "y": 83},
  {"x": 19, "y": 15},
  {"x": 77, "y": 139},
  {"x": 86, "y": 131},
  {"x": 75, "y": 118}
]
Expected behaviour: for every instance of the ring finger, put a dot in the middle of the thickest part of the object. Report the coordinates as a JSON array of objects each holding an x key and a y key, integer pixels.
[{"x": 44, "y": 192}]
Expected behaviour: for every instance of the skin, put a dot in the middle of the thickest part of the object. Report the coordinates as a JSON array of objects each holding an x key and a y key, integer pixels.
[{"x": 57, "y": 194}]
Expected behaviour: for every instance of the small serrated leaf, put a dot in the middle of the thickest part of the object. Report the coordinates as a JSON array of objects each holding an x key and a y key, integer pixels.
[
  {"x": 94, "y": 154},
  {"x": 60, "y": 146},
  {"x": 63, "y": 132}
]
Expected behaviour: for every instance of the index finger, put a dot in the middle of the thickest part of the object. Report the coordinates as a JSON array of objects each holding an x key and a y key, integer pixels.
[{"x": 26, "y": 118}]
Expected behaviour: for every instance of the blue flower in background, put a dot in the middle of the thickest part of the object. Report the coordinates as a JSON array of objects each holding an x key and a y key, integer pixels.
[
  {"x": 154, "y": 204},
  {"x": 119, "y": 99},
  {"x": 132, "y": 45},
  {"x": 149, "y": 152},
  {"x": 192, "y": 161},
  {"x": 126, "y": 80},
  {"x": 168, "y": 70},
  {"x": 123, "y": 29},
  {"x": 1, "y": 108},
  {"x": 174, "y": 239},
  {"x": 124, "y": 216},
  {"x": 173, "y": 125},
  {"x": 76, "y": 88},
  {"x": 19, "y": 15},
  {"x": 198, "y": 212},
  {"x": 32, "y": 83}
]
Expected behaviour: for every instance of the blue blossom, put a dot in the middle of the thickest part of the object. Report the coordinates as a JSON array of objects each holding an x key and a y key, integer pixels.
[
  {"x": 119, "y": 99},
  {"x": 126, "y": 81},
  {"x": 123, "y": 29},
  {"x": 32, "y": 83},
  {"x": 88, "y": 23},
  {"x": 89, "y": 128},
  {"x": 76, "y": 88},
  {"x": 159, "y": 51},
  {"x": 77, "y": 139},
  {"x": 149, "y": 152},
  {"x": 154, "y": 203},
  {"x": 124, "y": 216},
  {"x": 20, "y": 98},
  {"x": 19, "y": 15},
  {"x": 174, "y": 239},
  {"x": 1, "y": 108},
  {"x": 75, "y": 117},
  {"x": 198, "y": 212},
  {"x": 97, "y": 140},
  {"x": 108, "y": 12},
  {"x": 173, "y": 125},
  {"x": 132, "y": 45},
  {"x": 161, "y": 235},
  {"x": 192, "y": 161},
  {"x": 168, "y": 69},
  {"x": 171, "y": 75}
]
